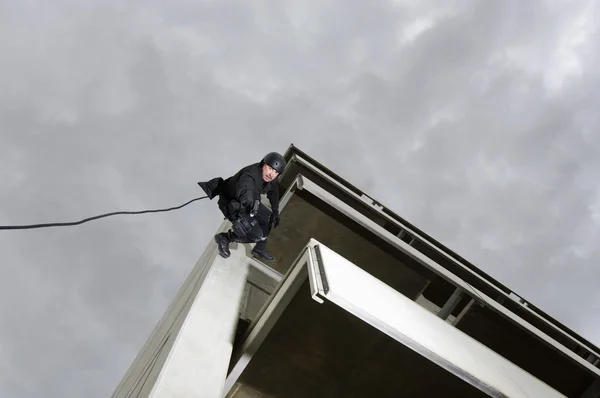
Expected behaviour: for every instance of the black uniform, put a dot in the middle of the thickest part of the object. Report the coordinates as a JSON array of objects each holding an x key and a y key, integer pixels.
[{"x": 237, "y": 197}]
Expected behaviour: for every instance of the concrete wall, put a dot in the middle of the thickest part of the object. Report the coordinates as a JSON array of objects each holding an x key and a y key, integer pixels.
[
  {"x": 188, "y": 351},
  {"x": 294, "y": 169},
  {"x": 306, "y": 217},
  {"x": 142, "y": 374},
  {"x": 320, "y": 350},
  {"x": 576, "y": 344},
  {"x": 524, "y": 350},
  {"x": 440, "y": 291}
]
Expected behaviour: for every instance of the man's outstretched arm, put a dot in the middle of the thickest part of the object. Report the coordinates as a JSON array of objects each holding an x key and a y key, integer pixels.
[{"x": 245, "y": 191}]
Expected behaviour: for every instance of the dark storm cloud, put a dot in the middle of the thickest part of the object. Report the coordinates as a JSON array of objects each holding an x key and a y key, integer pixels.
[{"x": 475, "y": 121}]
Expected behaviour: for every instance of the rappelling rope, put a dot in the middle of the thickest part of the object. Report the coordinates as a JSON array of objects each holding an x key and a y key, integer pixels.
[{"x": 64, "y": 224}]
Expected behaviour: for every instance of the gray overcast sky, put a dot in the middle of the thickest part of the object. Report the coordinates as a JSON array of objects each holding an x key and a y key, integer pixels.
[{"x": 475, "y": 120}]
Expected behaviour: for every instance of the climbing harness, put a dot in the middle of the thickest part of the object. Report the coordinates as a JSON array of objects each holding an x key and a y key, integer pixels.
[{"x": 242, "y": 226}]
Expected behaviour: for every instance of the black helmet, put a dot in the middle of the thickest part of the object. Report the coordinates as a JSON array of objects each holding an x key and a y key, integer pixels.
[{"x": 275, "y": 160}]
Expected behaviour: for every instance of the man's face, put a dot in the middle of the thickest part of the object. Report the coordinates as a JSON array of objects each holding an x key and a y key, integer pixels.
[{"x": 268, "y": 173}]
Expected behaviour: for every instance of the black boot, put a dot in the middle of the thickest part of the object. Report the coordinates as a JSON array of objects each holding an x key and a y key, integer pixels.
[
  {"x": 223, "y": 240},
  {"x": 260, "y": 250}
]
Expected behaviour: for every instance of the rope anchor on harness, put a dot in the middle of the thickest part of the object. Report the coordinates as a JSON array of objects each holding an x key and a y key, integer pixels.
[{"x": 242, "y": 225}]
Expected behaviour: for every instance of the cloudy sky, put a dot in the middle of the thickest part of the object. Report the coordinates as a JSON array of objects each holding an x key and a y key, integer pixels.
[{"x": 475, "y": 120}]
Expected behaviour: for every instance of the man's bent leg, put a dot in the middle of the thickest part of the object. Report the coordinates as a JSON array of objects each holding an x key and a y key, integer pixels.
[
  {"x": 223, "y": 240},
  {"x": 263, "y": 218},
  {"x": 257, "y": 230},
  {"x": 227, "y": 206},
  {"x": 244, "y": 230},
  {"x": 260, "y": 250}
]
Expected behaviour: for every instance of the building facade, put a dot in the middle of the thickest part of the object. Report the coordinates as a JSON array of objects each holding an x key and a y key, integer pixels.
[{"x": 358, "y": 303}]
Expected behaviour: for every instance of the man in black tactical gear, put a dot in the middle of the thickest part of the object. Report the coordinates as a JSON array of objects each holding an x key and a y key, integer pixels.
[{"x": 239, "y": 201}]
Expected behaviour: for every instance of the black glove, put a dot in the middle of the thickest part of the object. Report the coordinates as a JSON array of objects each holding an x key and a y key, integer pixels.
[
  {"x": 246, "y": 206},
  {"x": 250, "y": 208},
  {"x": 255, "y": 207},
  {"x": 275, "y": 219}
]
